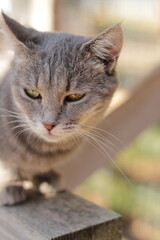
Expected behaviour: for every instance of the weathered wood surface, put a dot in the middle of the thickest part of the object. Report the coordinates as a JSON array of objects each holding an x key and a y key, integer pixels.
[
  {"x": 63, "y": 217},
  {"x": 141, "y": 111}
]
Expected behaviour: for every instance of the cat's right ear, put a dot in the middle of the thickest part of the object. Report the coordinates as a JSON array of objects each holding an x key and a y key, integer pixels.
[
  {"x": 15, "y": 34},
  {"x": 106, "y": 46}
]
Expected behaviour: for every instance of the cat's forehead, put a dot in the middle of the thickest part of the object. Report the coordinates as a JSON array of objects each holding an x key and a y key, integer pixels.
[
  {"x": 51, "y": 77},
  {"x": 58, "y": 61},
  {"x": 60, "y": 64},
  {"x": 62, "y": 42}
]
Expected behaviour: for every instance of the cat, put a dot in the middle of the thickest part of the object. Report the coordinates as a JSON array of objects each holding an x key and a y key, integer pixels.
[{"x": 57, "y": 84}]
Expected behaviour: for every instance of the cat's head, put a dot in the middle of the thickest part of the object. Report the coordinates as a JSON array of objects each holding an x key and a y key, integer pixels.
[{"x": 62, "y": 81}]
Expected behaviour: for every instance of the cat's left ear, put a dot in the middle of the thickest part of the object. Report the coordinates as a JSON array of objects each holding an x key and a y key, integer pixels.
[
  {"x": 107, "y": 45},
  {"x": 20, "y": 38}
]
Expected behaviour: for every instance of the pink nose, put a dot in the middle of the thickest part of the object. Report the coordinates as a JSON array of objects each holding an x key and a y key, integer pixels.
[{"x": 49, "y": 126}]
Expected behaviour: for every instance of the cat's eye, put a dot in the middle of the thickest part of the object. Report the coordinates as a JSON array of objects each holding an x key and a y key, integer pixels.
[
  {"x": 32, "y": 93},
  {"x": 74, "y": 97}
]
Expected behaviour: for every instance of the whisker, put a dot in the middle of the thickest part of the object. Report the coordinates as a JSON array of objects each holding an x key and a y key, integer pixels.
[
  {"x": 10, "y": 122},
  {"x": 10, "y": 114},
  {"x": 28, "y": 138},
  {"x": 75, "y": 139},
  {"x": 106, "y": 132},
  {"x": 99, "y": 135},
  {"x": 9, "y": 111},
  {"x": 21, "y": 131},
  {"x": 91, "y": 143},
  {"x": 13, "y": 116},
  {"x": 113, "y": 147},
  {"x": 19, "y": 126},
  {"x": 104, "y": 138},
  {"x": 100, "y": 144}
]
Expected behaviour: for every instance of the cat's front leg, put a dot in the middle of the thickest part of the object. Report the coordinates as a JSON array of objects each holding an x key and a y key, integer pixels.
[
  {"x": 12, "y": 194},
  {"x": 11, "y": 190},
  {"x": 53, "y": 178}
]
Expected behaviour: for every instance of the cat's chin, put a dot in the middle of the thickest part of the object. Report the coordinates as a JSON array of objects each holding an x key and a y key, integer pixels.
[
  {"x": 49, "y": 138},
  {"x": 52, "y": 139}
]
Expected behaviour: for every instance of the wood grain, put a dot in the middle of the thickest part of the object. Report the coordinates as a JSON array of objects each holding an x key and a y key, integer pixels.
[{"x": 63, "y": 217}]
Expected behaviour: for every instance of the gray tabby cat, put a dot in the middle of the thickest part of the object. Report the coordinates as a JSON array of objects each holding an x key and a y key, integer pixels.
[{"x": 57, "y": 84}]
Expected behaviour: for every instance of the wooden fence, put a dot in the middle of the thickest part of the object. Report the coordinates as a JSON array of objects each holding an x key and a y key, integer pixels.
[{"x": 64, "y": 217}]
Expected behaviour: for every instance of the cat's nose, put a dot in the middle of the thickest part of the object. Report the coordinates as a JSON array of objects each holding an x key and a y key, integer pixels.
[{"x": 49, "y": 126}]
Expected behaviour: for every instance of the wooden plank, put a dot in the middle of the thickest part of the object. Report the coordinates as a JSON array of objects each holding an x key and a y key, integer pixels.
[
  {"x": 63, "y": 217},
  {"x": 141, "y": 111}
]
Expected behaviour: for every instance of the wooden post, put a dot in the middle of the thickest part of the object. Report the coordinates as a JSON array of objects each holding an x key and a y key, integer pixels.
[{"x": 63, "y": 217}]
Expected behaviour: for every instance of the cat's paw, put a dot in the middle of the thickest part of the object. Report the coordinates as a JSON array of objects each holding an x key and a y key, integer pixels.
[{"x": 11, "y": 195}]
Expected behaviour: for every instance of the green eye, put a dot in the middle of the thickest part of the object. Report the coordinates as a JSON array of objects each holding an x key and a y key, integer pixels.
[
  {"x": 32, "y": 93},
  {"x": 74, "y": 97}
]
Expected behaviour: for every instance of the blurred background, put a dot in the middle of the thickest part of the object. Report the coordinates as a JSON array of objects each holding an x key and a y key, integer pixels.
[{"x": 139, "y": 202}]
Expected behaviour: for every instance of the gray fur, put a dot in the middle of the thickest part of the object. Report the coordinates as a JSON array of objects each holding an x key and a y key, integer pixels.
[{"x": 56, "y": 64}]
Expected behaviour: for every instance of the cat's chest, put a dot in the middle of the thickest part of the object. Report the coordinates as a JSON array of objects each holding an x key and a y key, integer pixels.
[{"x": 32, "y": 160}]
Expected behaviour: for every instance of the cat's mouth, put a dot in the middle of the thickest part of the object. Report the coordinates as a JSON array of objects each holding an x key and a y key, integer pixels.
[
  {"x": 60, "y": 133},
  {"x": 56, "y": 135}
]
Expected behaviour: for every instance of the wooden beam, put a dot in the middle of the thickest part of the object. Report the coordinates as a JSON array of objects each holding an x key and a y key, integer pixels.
[
  {"x": 141, "y": 111},
  {"x": 63, "y": 217}
]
